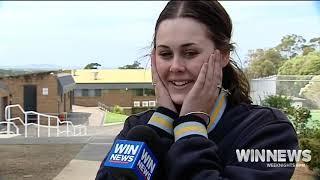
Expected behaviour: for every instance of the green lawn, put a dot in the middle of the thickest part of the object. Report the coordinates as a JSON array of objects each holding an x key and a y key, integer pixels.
[
  {"x": 315, "y": 116},
  {"x": 114, "y": 117}
]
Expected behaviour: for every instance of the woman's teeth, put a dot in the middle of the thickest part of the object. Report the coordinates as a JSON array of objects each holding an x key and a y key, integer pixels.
[{"x": 180, "y": 83}]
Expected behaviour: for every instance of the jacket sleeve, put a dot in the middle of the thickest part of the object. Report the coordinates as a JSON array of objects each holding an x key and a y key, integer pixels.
[{"x": 194, "y": 156}]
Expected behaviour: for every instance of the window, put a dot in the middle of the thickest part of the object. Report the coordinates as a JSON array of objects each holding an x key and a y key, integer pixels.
[
  {"x": 149, "y": 92},
  {"x": 136, "y": 104},
  {"x": 97, "y": 92},
  {"x": 138, "y": 92},
  {"x": 85, "y": 92},
  {"x": 145, "y": 103},
  {"x": 152, "y": 103},
  {"x": 77, "y": 92}
]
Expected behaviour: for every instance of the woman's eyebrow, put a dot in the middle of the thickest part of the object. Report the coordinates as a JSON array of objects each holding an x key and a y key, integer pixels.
[
  {"x": 162, "y": 46},
  {"x": 188, "y": 44},
  {"x": 183, "y": 45}
]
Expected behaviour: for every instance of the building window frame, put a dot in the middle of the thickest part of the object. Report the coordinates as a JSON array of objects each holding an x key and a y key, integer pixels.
[
  {"x": 85, "y": 92},
  {"x": 145, "y": 104},
  {"x": 136, "y": 103}
]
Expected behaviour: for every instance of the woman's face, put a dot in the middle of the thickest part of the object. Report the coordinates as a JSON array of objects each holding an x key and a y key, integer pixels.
[{"x": 182, "y": 46}]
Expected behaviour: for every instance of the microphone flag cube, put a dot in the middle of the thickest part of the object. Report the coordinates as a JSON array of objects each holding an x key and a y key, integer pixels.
[{"x": 133, "y": 159}]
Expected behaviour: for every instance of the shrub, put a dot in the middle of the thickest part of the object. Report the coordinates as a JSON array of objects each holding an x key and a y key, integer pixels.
[
  {"x": 277, "y": 101},
  {"x": 308, "y": 138},
  {"x": 117, "y": 109},
  {"x": 312, "y": 144},
  {"x": 299, "y": 116}
]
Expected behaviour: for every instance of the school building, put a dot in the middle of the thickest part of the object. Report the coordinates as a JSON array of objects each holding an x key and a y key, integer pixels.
[
  {"x": 43, "y": 92},
  {"x": 130, "y": 89}
]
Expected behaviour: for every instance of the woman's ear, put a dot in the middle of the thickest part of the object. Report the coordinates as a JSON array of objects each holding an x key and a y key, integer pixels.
[{"x": 225, "y": 59}]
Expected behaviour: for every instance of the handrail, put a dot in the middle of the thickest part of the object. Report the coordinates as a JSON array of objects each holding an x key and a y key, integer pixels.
[
  {"x": 16, "y": 118},
  {"x": 104, "y": 107},
  {"x": 58, "y": 121},
  {"x": 8, "y": 122}
]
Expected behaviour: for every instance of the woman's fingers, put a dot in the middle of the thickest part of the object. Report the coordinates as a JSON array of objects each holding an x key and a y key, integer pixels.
[
  {"x": 201, "y": 77},
  {"x": 210, "y": 73},
  {"x": 217, "y": 77}
]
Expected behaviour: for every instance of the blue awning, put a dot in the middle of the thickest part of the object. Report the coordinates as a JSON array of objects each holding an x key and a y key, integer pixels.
[{"x": 66, "y": 83}]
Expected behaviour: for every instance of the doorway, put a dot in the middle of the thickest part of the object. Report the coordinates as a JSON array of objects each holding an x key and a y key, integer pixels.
[{"x": 30, "y": 100}]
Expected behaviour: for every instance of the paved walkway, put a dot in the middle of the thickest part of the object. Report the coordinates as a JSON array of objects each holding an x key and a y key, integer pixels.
[
  {"x": 86, "y": 163},
  {"x": 94, "y": 115},
  {"x": 98, "y": 142}
]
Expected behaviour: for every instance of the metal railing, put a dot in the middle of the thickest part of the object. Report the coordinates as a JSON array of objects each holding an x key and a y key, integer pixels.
[
  {"x": 70, "y": 127},
  {"x": 8, "y": 130},
  {"x": 104, "y": 107}
]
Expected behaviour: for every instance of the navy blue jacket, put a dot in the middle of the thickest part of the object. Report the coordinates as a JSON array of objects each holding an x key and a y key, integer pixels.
[{"x": 196, "y": 157}]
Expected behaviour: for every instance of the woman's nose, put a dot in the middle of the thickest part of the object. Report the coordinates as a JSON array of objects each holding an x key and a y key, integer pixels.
[{"x": 177, "y": 65}]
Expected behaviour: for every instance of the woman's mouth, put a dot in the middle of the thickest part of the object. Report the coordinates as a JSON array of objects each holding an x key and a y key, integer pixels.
[{"x": 180, "y": 84}]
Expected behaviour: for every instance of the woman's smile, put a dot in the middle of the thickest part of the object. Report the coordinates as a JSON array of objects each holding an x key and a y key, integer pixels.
[{"x": 180, "y": 84}]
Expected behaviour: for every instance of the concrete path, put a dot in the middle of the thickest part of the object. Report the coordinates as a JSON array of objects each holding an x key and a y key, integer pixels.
[
  {"x": 98, "y": 142},
  {"x": 87, "y": 162},
  {"x": 94, "y": 115}
]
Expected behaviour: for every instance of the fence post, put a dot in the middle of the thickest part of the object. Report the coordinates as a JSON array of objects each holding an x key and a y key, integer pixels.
[
  {"x": 38, "y": 125},
  {"x": 67, "y": 129},
  {"x": 8, "y": 124},
  {"x": 25, "y": 125},
  {"x": 57, "y": 128},
  {"x": 49, "y": 126}
]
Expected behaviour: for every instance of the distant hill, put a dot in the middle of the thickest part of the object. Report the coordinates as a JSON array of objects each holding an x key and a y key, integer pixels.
[
  {"x": 15, "y": 72},
  {"x": 10, "y": 72},
  {"x": 32, "y": 67}
]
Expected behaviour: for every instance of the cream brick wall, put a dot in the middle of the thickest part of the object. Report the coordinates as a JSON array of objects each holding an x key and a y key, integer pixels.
[{"x": 112, "y": 97}]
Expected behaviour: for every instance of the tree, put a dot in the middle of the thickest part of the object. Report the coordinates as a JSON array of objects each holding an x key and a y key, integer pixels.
[
  {"x": 312, "y": 90},
  {"x": 264, "y": 63},
  {"x": 135, "y": 65},
  {"x": 293, "y": 56},
  {"x": 291, "y": 45},
  {"x": 315, "y": 42},
  {"x": 308, "y": 49},
  {"x": 92, "y": 66},
  {"x": 302, "y": 65}
]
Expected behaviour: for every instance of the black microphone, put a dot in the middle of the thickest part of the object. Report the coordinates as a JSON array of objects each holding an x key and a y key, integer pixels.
[{"x": 136, "y": 157}]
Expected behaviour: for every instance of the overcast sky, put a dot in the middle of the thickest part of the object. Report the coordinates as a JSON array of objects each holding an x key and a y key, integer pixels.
[{"x": 72, "y": 34}]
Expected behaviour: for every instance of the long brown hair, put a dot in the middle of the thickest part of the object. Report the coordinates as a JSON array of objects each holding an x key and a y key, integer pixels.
[{"x": 213, "y": 15}]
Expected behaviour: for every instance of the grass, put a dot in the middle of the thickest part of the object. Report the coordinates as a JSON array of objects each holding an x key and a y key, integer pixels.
[
  {"x": 114, "y": 117},
  {"x": 315, "y": 116}
]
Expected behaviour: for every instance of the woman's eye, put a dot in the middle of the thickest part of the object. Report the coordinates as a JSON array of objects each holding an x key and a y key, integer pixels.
[
  {"x": 190, "y": 53},
  {"x": 165, "y": 55}
]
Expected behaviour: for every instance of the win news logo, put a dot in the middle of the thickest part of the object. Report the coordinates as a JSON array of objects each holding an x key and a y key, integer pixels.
[
  {"x": 274, "y": 158},
  {"x": 134, "y": 156}
]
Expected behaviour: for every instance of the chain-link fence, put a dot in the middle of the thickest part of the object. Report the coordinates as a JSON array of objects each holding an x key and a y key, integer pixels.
[{"x": 304, "y": 91}]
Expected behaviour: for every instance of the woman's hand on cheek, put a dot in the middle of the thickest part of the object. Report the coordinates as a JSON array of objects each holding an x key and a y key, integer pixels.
[
  {"x": 162, "y": 95},
  {"x": 205, "y": 91}
]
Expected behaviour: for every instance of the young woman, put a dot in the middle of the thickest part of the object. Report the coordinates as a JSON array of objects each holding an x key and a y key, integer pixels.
[{"x": 204, "y": 112}]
